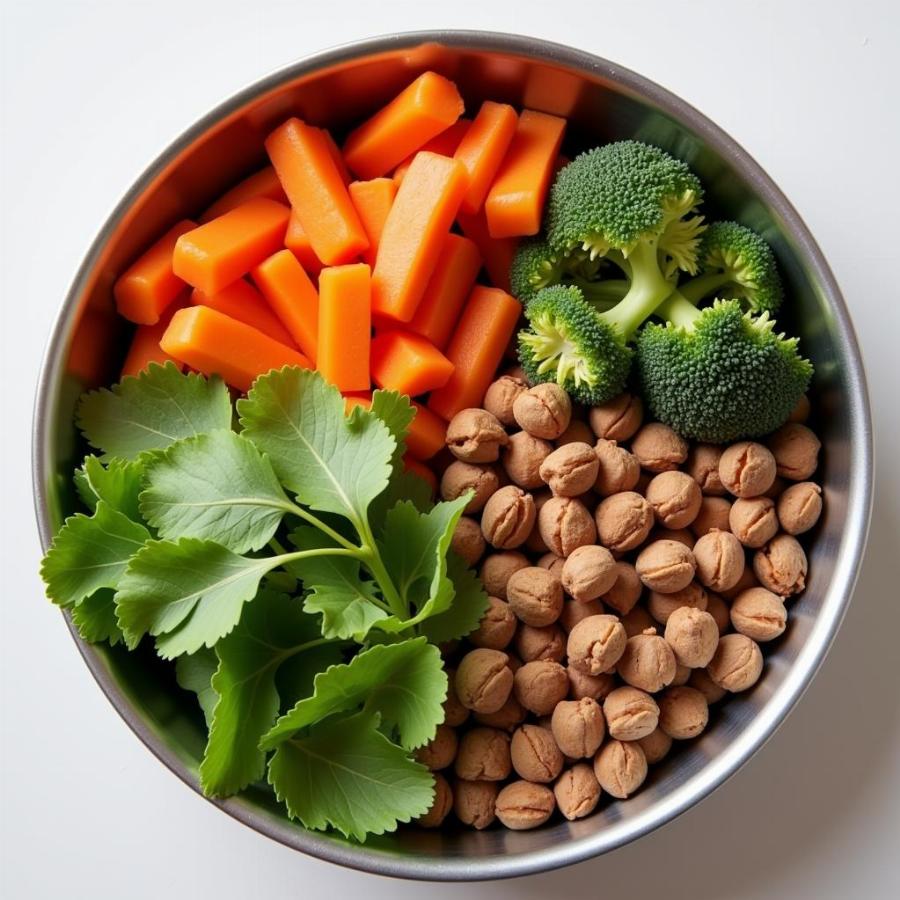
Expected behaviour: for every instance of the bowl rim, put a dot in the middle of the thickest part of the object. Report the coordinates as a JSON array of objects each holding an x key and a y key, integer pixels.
[{"x": 837, "y": 596}]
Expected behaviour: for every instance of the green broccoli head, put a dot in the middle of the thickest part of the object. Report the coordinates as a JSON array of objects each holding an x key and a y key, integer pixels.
[
  {"x": 719, "y": 374},
  {"x": 568, "y": 343},
  {"x": 535, "y": 266}
]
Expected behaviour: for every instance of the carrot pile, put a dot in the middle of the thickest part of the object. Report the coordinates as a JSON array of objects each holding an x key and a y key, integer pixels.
[{"x": 361, "y": 261}]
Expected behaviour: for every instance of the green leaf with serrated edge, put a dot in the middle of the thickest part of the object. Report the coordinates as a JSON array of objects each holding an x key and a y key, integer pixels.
[
  {"x": 397, "y": 413},
  {"x": 152, "y": 410},
  {"x": 332, "y": 463},
  {"x": 118, "y": 483},
  {"x": 346, "y": 602},
  {"x": 194, "y": 673},
  {"x": 188, "y": 594},
  {"x": 216, "y": 487},
  {"x": 89, "y": 553},
  {"x": 272, "y": 628},
  {"x": 405, "y": 683},
  {"x": 402, "y": 486},
  {"x": 346, "y": 774},
  {"x": 95, "y": 617},
  {"x": 465, "y": 612}
]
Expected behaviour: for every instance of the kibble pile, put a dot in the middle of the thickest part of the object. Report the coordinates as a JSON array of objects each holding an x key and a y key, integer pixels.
[{"x": 632, "y": 578}]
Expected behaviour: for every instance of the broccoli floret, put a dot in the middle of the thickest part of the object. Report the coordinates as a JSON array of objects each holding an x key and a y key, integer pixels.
[
  {"x": 569, "y": 343},
  {"x": 719, "y": 374},
  {"x": 738, "y": 264},
  {"x": 535, "y": 266}
]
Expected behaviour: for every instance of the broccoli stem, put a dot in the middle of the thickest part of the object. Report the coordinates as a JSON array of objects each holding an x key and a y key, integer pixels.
[
  {"x": 703, "y": 285},
  {"x": 648, "y": 289},
  {"x": 678, "y": 310},
  {"x": 607, "y": 292}
]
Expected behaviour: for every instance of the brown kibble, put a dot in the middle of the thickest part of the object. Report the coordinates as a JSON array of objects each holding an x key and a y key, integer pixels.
[
  {"x": 683, "y": 713},
  {"x": 747, "y": 469},
  {"x": 523, "y": 457},
  {"x": 781, "y": 565},
  {"x": 621, "y": 768},
  {"x": 540, "y": 685},
  {"x": 535, "y": 755},
  {"x": 578, "y": 727},
  {"x": 440, "y": 805},
  {"x": 796, "y": 451},
  {"x": 753, "y": 521},
  {"x": 577, "y": 791},
  {"x": 535, "y": 596},
  {"x": 574, "y": 611},
  {"x": 759, "y": 614},
  {"x": 440, "y": 751},
  {"x": 630, "y": 714},
  {"x": 454, "y": 712},
  {"x": 595, "y": 687},
  {"x": 501, "y": 395},
  {"x": 508, "y": 518},
  {"x": 473, "y": 802},
  {"x": 661, "y": 606},
  {"x": 720, "y": 560},
  {"x": 701, "y": 681},
  {"x": 637, "y": 621},
  {"x": 656, "y": 746},
  {"x": 617, "y": 419},
  {"x": 547, "y": 642},
  {"x": 475, "y": 436},
  {"x": 777, "y": 489},
  {"x": 483, "y": 680},
  {"x": 648, "y": 662},
  {"x": 718, "y": 609},
  {"x": 507, "y": 718},
  {"x": 483, "y": 755},
  {"x": 626, "y": 590},
  {"x": 747, "y": 580},
  {"x": 682, "y": 535},
  {"x": 552, "y": 563},
  {"x": 543, "y": 410},
  {"x": 617, "y": 469},
  {"x": 523, "y": 805},
  {"x": 589, "y": 572},
  {"x": 714, "y": 513},
  {"x": 460, "y": 477},
  {"x": 658, "y": 448},
  {"x": 800, "y": 412},
  {"x": 682, "y": 674},
  {"x": 737, "y": 663},
  {"x": 566, "y": 524},
  {"x": 577, "y": 432},
  {"x": 693, "y": 636},
  {"x": 497, "y": 568},
  {"x": 703, "y": 467},
  {"x": 596, "y": 644},
  {"x": 623, "y": 521},
  {"x": 675, "y": 498},
  {"x": 571, "y": 469},
  {"x": 497, "y": 626},
  {"x": 468, "y": 541},
  {"x": 799, "y": 507},
  {"x": 665, "y": 566}
]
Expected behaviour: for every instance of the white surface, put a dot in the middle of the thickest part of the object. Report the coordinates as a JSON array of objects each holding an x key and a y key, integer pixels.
[{"x": 93, "y": 90}]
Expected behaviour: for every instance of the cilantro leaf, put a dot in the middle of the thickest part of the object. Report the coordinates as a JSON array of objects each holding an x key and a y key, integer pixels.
[
  {"x": 404, "y": 682},
  {"x": 332, "y": 463},
  {"x": 348, "y": 604},
  {"x": 397, "y": 413},
  {"x": 216, "y": 487},
  {"x": 89, "y": 553},
  {"x": 194, "y": 673},
  {"x": 188, "y": 594},
  {"x": 118, "y": 483},
  {"x": 465, "y": 612},
  {"x": 152, "y": 410},
  {"x": 347, "y": 774},
  {"x": 95, "y": 617}
]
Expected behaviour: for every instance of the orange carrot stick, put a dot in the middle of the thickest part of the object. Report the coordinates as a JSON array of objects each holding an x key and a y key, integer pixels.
[
  {"x": 427, "y": 433},
  {"x": 145, "y": 347},
  {"x": 345, "y": 326},
  {"x": 447, "y": 290},
  {"x": 515, "y": 202},
  {"x": 483, "y": 148},
  {"x": 297, "y": 241},
  {"x": 149, "y": 285},
  {"x": 337, "y": 156},
  {"x": 373, "y": 200},
  {"x": 264, "y": 183},
  {"x": 444, "y": 144},
  {"x": 421, "y": 111},
  {"x": 406, "y": 362},
  {"x": 213, "y": 255},
  {"x": 414, "y": 234},
  {"x": 213, "y": 343},
  {"x": 476, "y": 349},
  {"x": 316, "y": 189},
  {"x": 410, "y": 464},
  {"x": 292, "y": 296},
  {"x": 243, "y": 302},
  {"x": 497, "y": 253}
]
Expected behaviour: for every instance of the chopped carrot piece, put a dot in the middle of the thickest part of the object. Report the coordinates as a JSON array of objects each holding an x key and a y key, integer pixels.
[
  {"x": 316, "y": 189},
  {"x": 410, "y": 464},
  {"x": 243, "y": 302},
  {"x": 497, "y": 253},
  {"x": 447, "y": 290},
  {"x": 337, "y": 156},
  {"x": 414, "y": 234},
  {"x": 427, "y": 433},
  {"x": 213, "y": 255},
  {"x": 149, "y": 285},
  {"x": 359, "y": 398},
  {"x": 213, "y": 343},
  {"x": 373, "y": 200},
  {"x": 297, "y": 241},
  {"x": 264, "y": 183},
  {"x": 515, "y": 202},
  {"x": 345, "y": 326},
  {"x": 477, "y": 346},
  {"x": 145, "y": 347},
  {"x": 292, "y": 296},
  {"x": 408, "y": 363},
  {"x": 444, "y": 144},
  {"x": 483, "y": 148},
  {"x": 421, "y": 111}
]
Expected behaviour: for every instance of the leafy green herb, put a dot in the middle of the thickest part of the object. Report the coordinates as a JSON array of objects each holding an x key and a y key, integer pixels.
[
  {"x": 118, "y": 483},
  {"x": 95, "y": 617},
  {"x": 194, "y": 673},
  {"x": 465, "y": 612}
]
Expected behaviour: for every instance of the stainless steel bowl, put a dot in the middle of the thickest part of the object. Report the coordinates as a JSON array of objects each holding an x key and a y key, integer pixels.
[{"x": 603, "y": 101}]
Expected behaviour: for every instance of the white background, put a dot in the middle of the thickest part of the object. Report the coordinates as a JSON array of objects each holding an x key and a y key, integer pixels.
[{"x": 93, "y": 90}]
